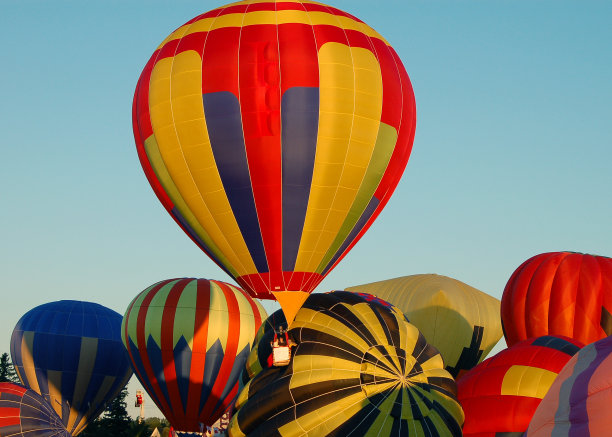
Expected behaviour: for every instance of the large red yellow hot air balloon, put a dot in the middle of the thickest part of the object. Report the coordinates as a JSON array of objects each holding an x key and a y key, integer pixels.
[
  {"x": 559, "y": 293},
  {"x": 274, "y": 133}
]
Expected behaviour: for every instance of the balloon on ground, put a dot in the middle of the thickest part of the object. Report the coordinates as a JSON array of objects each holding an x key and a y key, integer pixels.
[
  {"x": 457, "y": 319},
  {"x": 359, "y": 368},
  {"x": 500, "y": 395},
  {"x": 578, "y": 403},
  {"x": 188, "y": 340},
  {"x": 71, "y": 353},
  {"x": 274, "y": 133},
  {"x": 559, "y": 293},
  {"x": 24, "y": 413}
]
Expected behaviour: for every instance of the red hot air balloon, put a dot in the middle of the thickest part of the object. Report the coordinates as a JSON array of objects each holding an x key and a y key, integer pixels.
[
  {"x": 559, "y": 293},
  {"x": 500, "y": 395},
  {"x": 274, "y": 133}
]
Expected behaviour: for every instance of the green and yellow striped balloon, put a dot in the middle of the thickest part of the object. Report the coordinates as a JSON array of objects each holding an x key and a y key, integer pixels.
[{"x": 359, "y": 369}]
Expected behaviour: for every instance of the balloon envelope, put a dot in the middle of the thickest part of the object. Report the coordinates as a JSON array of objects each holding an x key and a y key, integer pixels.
[
  {"x": 501, "y": 394},
  {"x": 578, "y": 402},
  {"x": 359, "y": 368},
  {"x": 188, "y": 340},
  {"x": 24, "y": 413},
  {"x": 457, "y": 319},
  {"x": 559, "y": 293},
  {"x": 274, "y": 133},
  {"x": 71, "y": 353}
]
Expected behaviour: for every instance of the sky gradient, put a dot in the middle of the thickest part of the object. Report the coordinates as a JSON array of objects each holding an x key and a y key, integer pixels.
[{"x": 511, "y": 156}]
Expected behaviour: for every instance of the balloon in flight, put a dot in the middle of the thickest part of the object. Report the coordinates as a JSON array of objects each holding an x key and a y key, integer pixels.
[{"x": 274, "y": 133}]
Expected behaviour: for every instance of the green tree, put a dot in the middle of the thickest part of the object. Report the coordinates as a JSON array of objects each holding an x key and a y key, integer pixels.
[
  {"x": 115, "y": 420},
  {"x": 7, "y": 371}
]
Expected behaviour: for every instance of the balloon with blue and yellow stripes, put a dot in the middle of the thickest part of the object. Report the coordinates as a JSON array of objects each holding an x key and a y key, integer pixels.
[
  {"x": 70, "y": 352},
  {"x": 274, "y": 132},
  {"x": 188, "y": 340}
]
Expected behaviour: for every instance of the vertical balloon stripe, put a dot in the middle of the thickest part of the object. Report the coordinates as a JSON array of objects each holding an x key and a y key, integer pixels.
[
  {"x": 129, "y": 325},
  {"x": 406, "y": 131},
  {"x": 87, "y": 360},
  {"x": 168, "y": 106},
  {"x": 518, "y": 288},
  {"x": 385, "y": 143},
  {"x": 194, "y": 210},
  {"x": 222, "y": 111},
  {"x": 138, "y": 365},
  {"x": 198, "y": 360},
  {"x": 300, "y": 118},
  {"x": 360, "y": 68},
  {"x": 192, "y": 134},
  {"x": 167, "y": 317},
  {"x": 190, "y": 231},
  {"x": 259, "y": 102},
  {"x": 27, "y": 361},
  {"x": 141, "y": 342},
  {"x": 184, "y": 323},
  {"x": 200, "y": 336},
  {"x": 80, "y": 421},
  {"x": 246, "y": 312},
  {"x": 563, "y": 293},
  {"x": 581, "y": 388},
  {"x": 217, "y": 316},
  {"x": 361, "y": 223},
  {"x": 229, "y": 349},
  {"x": 53, "y": 394},
  {"x": 155, "y": 310},
  {"x": 587, "y": 321}
]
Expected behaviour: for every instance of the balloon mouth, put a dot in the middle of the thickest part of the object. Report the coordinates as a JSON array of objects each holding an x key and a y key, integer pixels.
[{"x": 385, "y": 372}]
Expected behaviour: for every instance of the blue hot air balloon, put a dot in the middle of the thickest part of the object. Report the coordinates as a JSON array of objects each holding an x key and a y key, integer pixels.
[{"x": 71, "y": 353}]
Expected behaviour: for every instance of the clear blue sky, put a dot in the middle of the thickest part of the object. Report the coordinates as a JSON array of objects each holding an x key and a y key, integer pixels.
[{"x": 512, "y": 155}]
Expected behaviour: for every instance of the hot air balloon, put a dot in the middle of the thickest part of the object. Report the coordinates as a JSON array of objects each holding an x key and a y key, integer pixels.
[
  {"x": 500, "y": 395},
  {"x": 578, "y": 402},
  {"x": 559, "y": 293},
  {"x": 457, "y": 319},
  {"x": 274, "y": 133},
  {"x": 24, "y": 413},
  {"x": 358, "y": 369},
  {"x": 70, "y": 352},
  {"x": 188, "y": 340}
]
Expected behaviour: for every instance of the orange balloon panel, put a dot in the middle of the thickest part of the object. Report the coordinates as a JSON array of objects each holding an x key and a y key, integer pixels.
[
  {"x": 559, "y": 293},
  {"x": 274, "y": 133}
]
